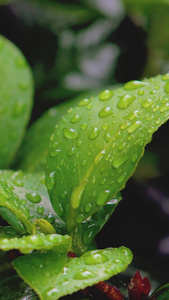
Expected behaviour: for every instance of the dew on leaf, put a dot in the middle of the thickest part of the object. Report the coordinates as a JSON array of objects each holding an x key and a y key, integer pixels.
[
  {"x": 79, "y": 143},
  {"x": 133, "y": 126},
  {"x": 84, "y": 274},
  {"x": 107, "y": 137},
  {"x": 121, "y": 178},
  {"x": 121, "y": 146},
  {"x": 141, "y": 92},
  {"x": 71, "y": 152},
  {"x": 166, "y": 87},
  {"x": 83, "y": 126},
  {"x": 95, "y": 258},
  {"x": 40, "y": 209},
  {"x": 164, "y": 107},
  {"x": 70, "y": 133},
  {"x": 105, "y": 112},
  {"x": 63, "y": 195},
  {"x": 54, "y": 153},
  {"x": 34, "y": 197},
  {"x": 88, "y": 207},
  {"x": 18, "y": 183},
  {"x": 50, "y": 181},
  {"x": 156, "y": 108},
  {"x": 84, "y": 102},
  {"x": 105, "y": 126},
  {"x": 103, "y": 197},
  {"x": 75, "y": 119},
  {"x": 84, "y": 162},
  {"x": 89, "y": 234},
  {"x": 94, "y": 133},
  {"x": 125, "y": 101},
  {"x": 80, "y": 218},
  {"x": 146, "y": 103},
  {"x": 105, "y": 95},
  {"x": 133, "y": 85},
  {"x": 118, "y": 161},
  {"x": 165, "y": 77},
  {"x": 134, "y": 158}
]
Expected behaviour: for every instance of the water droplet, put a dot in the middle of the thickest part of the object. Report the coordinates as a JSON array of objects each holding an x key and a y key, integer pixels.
[
  {"x": 34, "y": 197},
  {"x": 164, "y": 107},
  {"x": 63, "y": 195},
  {"x": 75, "y": 119},
  {"x": 79, "y": 143},
  {"x": 84, "y": 102},
  {"x": 106, "y": 95},
  {"x": 88, "y": 207},
  {"x": 4, "y": 192},
  {"x": 125, "y": 101},
  {"x": 103, "y": 197},
  {"x": 89, "y": 106},
  {"x": 80, "y": 218},
  {"x": 124, "y": 126},
  {"x": 133, "y": 115},
  {"x": 105, "y": 112},
  {"x": 89, "y": 233},
  {"x": 71, "y": 152},
  {"x": 118, "y": 161},
  {"x": 83, "y": 126},
  {"x": 54, "y": 153},
  {"x": 94, "y": 133},
  {"x": 121, "y": 178},
  {"x": 103, "y": 181},
  {"x": 146, "y": 103},
  {"x": 50, "y": 181},
  {"x": 18, "y": 183},
  {"x": 99, "y": 156},
  {"x": 166, "y": 87},
  {"x": 105, "y": 126},
  {"x": 134, "y": 158},
  {"x": 70, "y": 133},
  {"x": 83, "y": 274},
  {"x": 141, "y": 92},
  {"x": 133, "y": 126},
  {"x": 121, "y": 146},
  {"x": 133, "y": 85},
  {"x": 165, "y": 77},
  {"x": 107, "y": 137},
  {"x": 40, "y": 209},
  {"x": 95, "y": 258},
  {"x": 156, "y": 108}
]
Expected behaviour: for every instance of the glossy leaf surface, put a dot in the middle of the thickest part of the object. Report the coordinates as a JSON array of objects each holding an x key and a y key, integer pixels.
[
  {"x": 97, "y": 145},
  {"x": 55, "y": 276},
  {"x": 15, "y": 99},
  {"x": 30, "y": 193},
  {"x": 25, "y": 244},
  {"x": 8, "y": 232}
]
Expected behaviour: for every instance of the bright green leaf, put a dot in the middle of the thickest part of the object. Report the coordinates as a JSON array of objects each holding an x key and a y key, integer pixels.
[
  {"x": 54, "y": 276},
  {"x": 15, "y": 99},
  {"x": 59, "y": 243},
  {"x": 97, "y": 145},
  {"x": 33, "y": 197}
]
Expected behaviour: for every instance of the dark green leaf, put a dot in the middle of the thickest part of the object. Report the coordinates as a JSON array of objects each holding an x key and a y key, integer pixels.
[
  {"x": 97, "y": 145},
  {"x": 15, "y": 99},
  {"x": 53, "y": 276}
]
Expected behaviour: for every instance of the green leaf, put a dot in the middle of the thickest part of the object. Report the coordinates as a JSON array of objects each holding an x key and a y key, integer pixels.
[
  {"x": 97, "y": 145},
  {"x": 161, "y": 293},
  {"x": 15, "y": 99},
  {"x": 60, "y": 243},
  {"x": 54, "y": 276},
  {"x": 8, "y": 232},
  {"x": 32, "y": 199},
  {"x": 85, "y": 232}
]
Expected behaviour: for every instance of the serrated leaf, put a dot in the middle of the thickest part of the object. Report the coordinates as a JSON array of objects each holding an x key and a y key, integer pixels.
[
  {"x": 32, "y": 199},
  {"x": 54, "y": 276},
  {"x": 85, "y": 232},
  {"x": 15, "y": 99},
  {"x": 97, "y": 145},
  {"x": 60, "y": 243}
]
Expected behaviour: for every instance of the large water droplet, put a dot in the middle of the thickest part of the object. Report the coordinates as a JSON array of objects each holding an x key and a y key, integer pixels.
[
  {"x": 105, "y": 126},
  {"x": 50, "y": 181},
  {"x": 106, "y": 95},
  {"x": 18, "y": 183},
  {"x": 75, "y": 119},
  {"x": 133, "y": 126},
  {"x": 83, "y": 126},
  {"x": 84, "y": 102},
  {"x": 107, "y": 137},
  {"x": 166, "y": 87},
  {"x": 95, "y": 258},
  {"x": 141, "y": 92},
  {"x": 105, "y": 112},
  {"x": 40, "y": 209},
  {"x": 54, "y": 153},
  {"x": 118, "y": 161},
  {"x": 34, "y": 197},
  {"x": 70, "y": 133},
  {"x": 94, "y": 133},
  {"x": 133, "y": 85},
  {"x": 164, "y": 107},
  {"x": 146, "y": 103},
  {"x": 89, "y": 233},
  {"x": 125, "y": 101},
  {"x": 84, "y": 274},
  {"x": 103, "y": 197}
]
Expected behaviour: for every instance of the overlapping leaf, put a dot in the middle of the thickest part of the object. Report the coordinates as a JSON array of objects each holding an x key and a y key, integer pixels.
[
  {"x": 97, "y": 145},
  {"x": 54, "y": 276},
  {"x": 15, "y": 99},
  {"x": 60, "y": 243},
  {"x": 23, "y": 199}
]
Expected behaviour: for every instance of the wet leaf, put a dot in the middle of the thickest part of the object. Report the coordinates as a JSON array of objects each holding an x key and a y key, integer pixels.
[
  {"x": 54, "y": 275},
  {"x": 15, "y": 99},
  {"x": 30, "y": 194},
  {"x": 59, "y": 243},
  {"x": 97, "y": 145}
]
